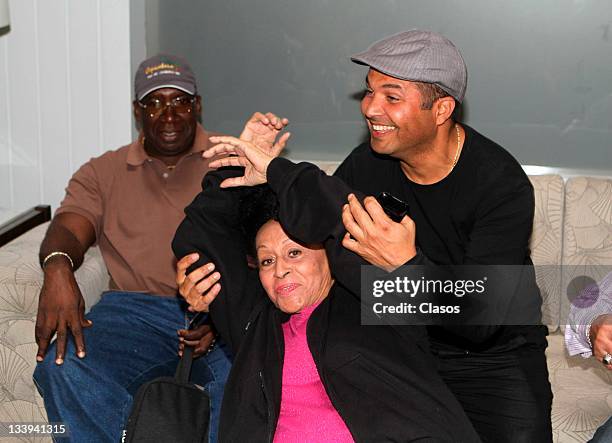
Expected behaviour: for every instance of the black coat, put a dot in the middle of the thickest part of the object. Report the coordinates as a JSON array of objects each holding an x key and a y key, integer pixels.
[{"x": 382, "y": 380}]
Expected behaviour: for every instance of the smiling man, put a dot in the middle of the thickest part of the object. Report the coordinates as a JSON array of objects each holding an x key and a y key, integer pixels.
[
  {"x": 470, "y": 204},
  {"x": 129, "y": 202}
]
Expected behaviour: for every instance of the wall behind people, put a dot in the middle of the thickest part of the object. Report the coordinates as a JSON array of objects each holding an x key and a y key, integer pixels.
[
  {"x": 64, "y": 94},
  {"x": 539, "y": 72}
]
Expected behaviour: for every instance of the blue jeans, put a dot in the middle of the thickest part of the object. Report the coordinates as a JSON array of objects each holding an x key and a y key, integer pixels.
[
  {"x": 133, "y": 340},
  {"x": 603, "y": 433}
]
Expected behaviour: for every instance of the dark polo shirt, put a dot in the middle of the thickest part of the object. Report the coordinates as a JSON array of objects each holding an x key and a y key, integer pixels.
[{"x": 135, "y": 204}]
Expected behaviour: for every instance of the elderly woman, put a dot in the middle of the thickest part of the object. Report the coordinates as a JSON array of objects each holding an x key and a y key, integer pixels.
[{"x": 305, "y": 369}]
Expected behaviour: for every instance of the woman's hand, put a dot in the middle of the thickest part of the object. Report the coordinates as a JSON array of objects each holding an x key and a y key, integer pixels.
[
  {"x": 253, "y": 158},
  {"x": 201, "y": 286},
  {"x": 262, "y": 129}
]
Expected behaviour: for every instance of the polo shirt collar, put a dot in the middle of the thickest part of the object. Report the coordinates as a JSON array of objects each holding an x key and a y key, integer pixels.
[{"x": 137, "y": 155}]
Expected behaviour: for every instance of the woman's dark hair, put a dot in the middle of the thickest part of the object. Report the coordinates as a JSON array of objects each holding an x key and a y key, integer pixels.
[{"x": 257, "y": 207}]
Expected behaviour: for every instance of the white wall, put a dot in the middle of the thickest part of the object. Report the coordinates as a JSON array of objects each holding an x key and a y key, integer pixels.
[{"x": 65, "y": 92}]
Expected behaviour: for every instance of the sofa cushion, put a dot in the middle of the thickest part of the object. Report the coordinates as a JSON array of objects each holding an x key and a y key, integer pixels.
[
  {"x": 582, "y": 390},
  {"x": 587, "y": 235}
]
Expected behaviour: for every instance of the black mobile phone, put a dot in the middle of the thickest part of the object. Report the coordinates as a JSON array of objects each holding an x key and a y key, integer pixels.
[{"x": 395, "y": 208}]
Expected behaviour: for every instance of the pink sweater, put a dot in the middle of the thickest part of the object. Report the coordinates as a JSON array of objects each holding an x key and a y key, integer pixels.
[{"x": 306, "y": 413}]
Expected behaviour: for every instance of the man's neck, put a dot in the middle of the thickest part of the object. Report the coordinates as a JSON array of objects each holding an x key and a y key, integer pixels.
[{"x": 435, "y": 161}]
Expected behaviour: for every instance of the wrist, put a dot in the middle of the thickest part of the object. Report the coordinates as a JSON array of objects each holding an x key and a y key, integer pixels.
[
  {"x": 57, "y": 261},
  {"x": 404, "y": 258}
]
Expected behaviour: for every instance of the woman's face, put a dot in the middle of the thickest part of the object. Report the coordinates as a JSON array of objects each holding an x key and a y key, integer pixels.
[{"x": 293, "y": 275}]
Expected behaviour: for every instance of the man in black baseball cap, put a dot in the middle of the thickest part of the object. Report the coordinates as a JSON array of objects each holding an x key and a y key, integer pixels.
[{"x": 129, "y": 202}]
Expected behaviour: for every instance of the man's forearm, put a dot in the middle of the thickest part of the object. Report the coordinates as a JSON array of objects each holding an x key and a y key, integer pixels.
[{"x": 68, "y": 235}]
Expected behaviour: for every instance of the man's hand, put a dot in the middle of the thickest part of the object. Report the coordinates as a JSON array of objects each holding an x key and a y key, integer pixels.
[
  {"x": 253, "y": 158},
  {"x": 200, "y": 338},
  {"x": 601, "y": 337},
  {"x": 199, "y": 294},
  {"x": 61, "y": 309},
  {"x": 375, "y": 237},
  {"x": 262, "y": 130}
]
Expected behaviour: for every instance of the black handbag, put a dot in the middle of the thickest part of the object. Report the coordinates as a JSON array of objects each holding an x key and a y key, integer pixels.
[{"x": 170, "y": 409}]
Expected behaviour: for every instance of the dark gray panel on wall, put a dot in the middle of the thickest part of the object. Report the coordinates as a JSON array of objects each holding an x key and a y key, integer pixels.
[{"x": 540, "y": 71}]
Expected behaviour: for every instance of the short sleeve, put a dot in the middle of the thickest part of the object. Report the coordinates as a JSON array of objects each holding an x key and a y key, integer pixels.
[{"x": 84, "y": 196}]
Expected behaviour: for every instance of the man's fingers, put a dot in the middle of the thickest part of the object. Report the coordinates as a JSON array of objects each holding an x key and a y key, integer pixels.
[
  {"x": 209, "y": 297},
  {"x": 207, "y": 283},
  {"x": 198, "y": 274},
  {"x": 83, "y": 322},
  {"x": 195, "y": 334},
  {"x": 201, "y": 347},
  {"x": 362, "y": 218},
  {"x": 60, "y": 343},
  {"x": 185, "y": 288},
  {"x": 187, "y": 261},
  {"x": 182, "y": 265},
  {"x": 351, "y": 244},
  {"x": 375, "y": 211},
  {"x": 350, "y": 224},
  {"x": 188, "y": 288},
  {"x": 191, "y": 280},
  {"x": 200, "y": 302},
  {"x": 408, "y": 222},
  {"x": 43, "y": 337},
  {"x": 79, "y": 340}
]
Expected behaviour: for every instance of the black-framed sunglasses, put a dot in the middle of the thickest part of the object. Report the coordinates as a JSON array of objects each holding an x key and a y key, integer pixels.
[{"x": 183, "y": 103}]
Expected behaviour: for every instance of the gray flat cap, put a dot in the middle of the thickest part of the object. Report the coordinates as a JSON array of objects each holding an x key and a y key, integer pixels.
[{"x": 421, "y": 56}]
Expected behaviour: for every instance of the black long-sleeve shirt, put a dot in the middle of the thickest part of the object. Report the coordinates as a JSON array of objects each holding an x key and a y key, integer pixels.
[{"x": 480, "y": 214}]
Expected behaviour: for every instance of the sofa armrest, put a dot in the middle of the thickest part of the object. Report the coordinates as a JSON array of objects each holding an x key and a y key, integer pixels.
[{"x": 21, "y": 277}]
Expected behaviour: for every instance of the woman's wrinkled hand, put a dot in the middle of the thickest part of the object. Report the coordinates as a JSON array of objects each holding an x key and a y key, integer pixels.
[{"x": 255, "y": 159}]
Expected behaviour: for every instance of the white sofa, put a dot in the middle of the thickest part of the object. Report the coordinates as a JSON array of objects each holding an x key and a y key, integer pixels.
[{"x": 573, "y": 225}]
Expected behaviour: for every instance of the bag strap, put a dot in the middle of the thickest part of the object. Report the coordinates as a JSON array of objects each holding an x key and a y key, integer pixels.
[{"x": 183, "y": 370}]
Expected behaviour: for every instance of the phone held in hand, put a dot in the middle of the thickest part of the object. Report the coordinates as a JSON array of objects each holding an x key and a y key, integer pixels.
[{"x": 395, "y": 208}]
